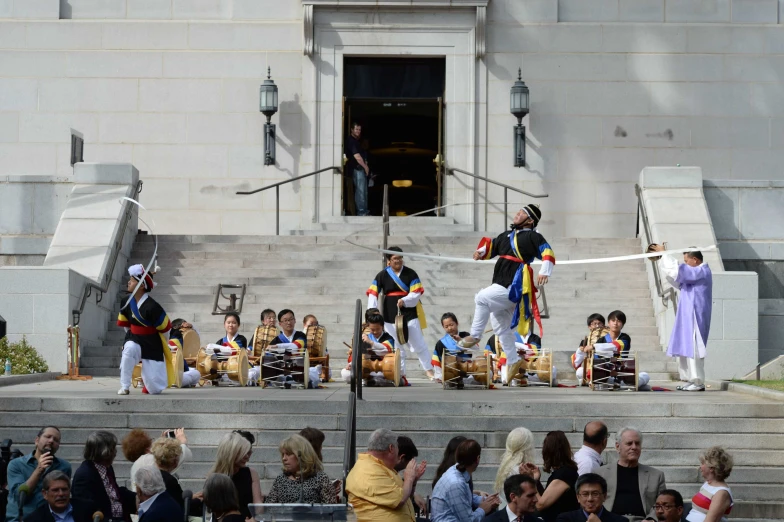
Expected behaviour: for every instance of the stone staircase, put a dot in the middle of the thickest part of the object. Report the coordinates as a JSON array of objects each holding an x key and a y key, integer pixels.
[
  {"x": 316, "y": 272},
  {"x": 676, "y": 426}
]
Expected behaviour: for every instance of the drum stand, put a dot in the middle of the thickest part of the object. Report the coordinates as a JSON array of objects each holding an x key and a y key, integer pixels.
[
  {"x": 613, "y": 373},
  {"x": 276, "y": 368}
]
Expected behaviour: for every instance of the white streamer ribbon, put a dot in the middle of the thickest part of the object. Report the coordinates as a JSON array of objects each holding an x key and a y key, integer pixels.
[{"x": 155, "y": 250}]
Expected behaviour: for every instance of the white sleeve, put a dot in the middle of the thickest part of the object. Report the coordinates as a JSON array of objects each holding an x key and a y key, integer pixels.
[
  {"x": 186, "y": 456},
  {"x": 579, "y": 357},
  {"x": 411, "y": 300},
  {"x": 372, "y": 301},
  {"x": 604, "y": 348},
  {"x": 547, "y": 268},
  {"x": 380, "y": 349},
  {"x": 669, "y": 268},
  {"x": 284, "y": 346}
]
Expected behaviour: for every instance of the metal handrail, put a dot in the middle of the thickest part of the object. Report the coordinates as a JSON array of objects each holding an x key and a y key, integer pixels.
[
  {"x": 115, "y": 253},
  {"x": 385, "y": 226},
  {"x": 356, "y": 352},
  {"x": 642, "y": 215},
  {"x": 277, "y": 185},
  {"x": 506, "y": 187}
]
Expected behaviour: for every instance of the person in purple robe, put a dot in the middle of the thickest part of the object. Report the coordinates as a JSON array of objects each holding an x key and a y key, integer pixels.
[{"x": 692, "y": 320}]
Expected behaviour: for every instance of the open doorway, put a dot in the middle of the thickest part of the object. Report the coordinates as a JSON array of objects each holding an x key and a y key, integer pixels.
[{"x": 399, "y": 104}]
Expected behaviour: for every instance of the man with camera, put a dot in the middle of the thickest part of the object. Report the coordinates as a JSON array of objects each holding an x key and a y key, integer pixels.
[{"x": 26, "y": 473}]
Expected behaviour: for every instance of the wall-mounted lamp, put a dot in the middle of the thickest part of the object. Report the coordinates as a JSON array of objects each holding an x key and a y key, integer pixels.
[
  {"x": 268, "y": 106},
  {"x": 518, "y": 105}
]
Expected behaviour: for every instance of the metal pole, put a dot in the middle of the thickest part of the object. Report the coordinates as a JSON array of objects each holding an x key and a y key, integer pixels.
[
  {"x": 277, "y": 210},
  {"x": 506, "y": 214},
  {"x": 385, "y": 225}
]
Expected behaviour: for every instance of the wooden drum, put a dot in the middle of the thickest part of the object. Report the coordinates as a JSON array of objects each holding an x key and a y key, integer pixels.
[
  {"x": 213, "y": 366},
  {"x": 458, "y": 367},
  {"x": 540, "y": 365},
  {"x": 614, "y": 373},
  {"x": 284, "y": 370},
  {"x": 390, "y": 366},
  {"x": 262, "y": 338}
]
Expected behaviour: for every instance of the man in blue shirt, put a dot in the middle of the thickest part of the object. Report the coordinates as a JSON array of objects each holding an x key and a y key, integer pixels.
[
  {"x": 59, "y": 506},
  {"x": 453, "y": 500},
  {"x": 31, "y": 469}
]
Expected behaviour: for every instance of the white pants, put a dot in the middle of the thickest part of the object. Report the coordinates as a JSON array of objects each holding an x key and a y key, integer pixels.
[
  {"x": 493, "y": 304},
  {"x": 642, "y": 377},
  {"x": 254, "y": 374},
  {"x": 692, "y": 369},
  {"x": 416, "y": 342},
  {"x": 153, "y": 372},
  {"x": 189, "y": 378}
]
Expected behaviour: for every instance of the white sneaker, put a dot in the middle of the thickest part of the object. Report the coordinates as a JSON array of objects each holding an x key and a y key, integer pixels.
[
  {"x": 123, "y": 391},
  {"x": 694, "y": 387}
]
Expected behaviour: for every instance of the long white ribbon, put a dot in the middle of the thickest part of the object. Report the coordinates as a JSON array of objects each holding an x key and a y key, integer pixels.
[
  {"x": 155, "y": 250},
  {"x": 443, "y": 259}
]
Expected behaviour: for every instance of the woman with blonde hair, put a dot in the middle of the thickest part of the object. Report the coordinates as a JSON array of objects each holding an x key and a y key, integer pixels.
[
  {"x": 713, "y": 502},
  {"x": 519, "y": 450},
  {"x": 167, "y": 453},
  {"x": 234, "y": 452},
  {"x": 303, "y": 474}
]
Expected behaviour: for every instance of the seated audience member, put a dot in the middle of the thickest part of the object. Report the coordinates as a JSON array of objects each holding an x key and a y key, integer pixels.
[
  {"x": 94, "y": 481},
  {"x": 589, "y": 456},
  {"x": 373, "y": 486},
  {"x": 137, "y": 438},
  {"x": 453, "y": 500},
  {"x": 407, "y": 450},
  {"x": 591, "y": 493},
  {"x": 155, "y": 504},
  {"x": 31, "y": 469},
  {"x": 669, "y": 506},
  {"x": 220, "y": 497},
  {"x": 234, "y": 452},
  {"x": 632, "y": 487},
  {"x": 713, "y": 502},
  {"x": 559, "y": 494},
  {"x": 190, "y": 376},
  {"x": 447, "y": 343},
  {"x": 303, "y": 478},
  {"x": 448, "y": 460},
  {"x": 521, "y": 496},
  {"x": 59, "y": 506},
  {"x": 316, "y": 438},
  {"x": 614, "y": 343},
  {"x": 167, "y": 454},
  {"x": 520, "y": 449}
]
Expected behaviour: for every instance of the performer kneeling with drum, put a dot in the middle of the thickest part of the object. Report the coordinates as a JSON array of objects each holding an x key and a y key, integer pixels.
[
  {"x": 180, "y": 329},
  {"x": 285, "y": 363},
  {"x": 381, "y": 362},
  {"x": 605, "y": 344},
  {"x": 447, "y": 344}
]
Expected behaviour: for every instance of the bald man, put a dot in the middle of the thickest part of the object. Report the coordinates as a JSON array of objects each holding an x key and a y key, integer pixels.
[{"x": 589, "y": 456}]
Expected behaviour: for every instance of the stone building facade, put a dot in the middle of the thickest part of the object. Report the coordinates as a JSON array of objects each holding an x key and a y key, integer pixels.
[{"x": 172, "y": 87}]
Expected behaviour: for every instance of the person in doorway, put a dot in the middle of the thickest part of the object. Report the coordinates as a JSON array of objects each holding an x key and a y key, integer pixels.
[
  {"x": 402, "y": 290},
  {"x": 511, "y": 298},
  {"x": 358, "y": 167},
  {"x": 692, "y": 320}
]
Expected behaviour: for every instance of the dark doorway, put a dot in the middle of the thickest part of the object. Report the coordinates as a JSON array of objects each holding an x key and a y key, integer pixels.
[{"x": 399, "y": 104}]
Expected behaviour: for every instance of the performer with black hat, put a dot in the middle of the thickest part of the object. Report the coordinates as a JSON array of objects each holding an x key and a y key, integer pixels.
[
  {"x": 146, "y": 321},
  {"x": 510, "y": 301},
  {"x": 402, "y": 291}
]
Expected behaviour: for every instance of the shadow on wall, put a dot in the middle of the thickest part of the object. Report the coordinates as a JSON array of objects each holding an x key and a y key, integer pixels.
[
  {"x": 295, "y": 125},
  {"x": 66, "y": 10},
  {"x": 770, "y": 275}
]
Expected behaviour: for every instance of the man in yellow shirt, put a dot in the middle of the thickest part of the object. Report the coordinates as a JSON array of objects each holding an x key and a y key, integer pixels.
[{"x": 375, "y": 489}]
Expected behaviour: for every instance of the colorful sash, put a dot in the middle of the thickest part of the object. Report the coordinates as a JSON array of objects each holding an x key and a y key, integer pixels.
[
  {"x": 298, "y": 342},
  {"x": 167, "y": 356},
  {"x": 404, "y": 287},
  {"x": 233, "y": 343},
  {"x": 522, "y": 292}
]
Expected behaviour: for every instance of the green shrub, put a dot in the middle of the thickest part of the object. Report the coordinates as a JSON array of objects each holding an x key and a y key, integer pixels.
[{"x": 24, "y": 358}]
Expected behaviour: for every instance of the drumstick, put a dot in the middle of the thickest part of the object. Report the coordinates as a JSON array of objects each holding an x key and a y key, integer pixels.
[{"x": 348, "y": 345}]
